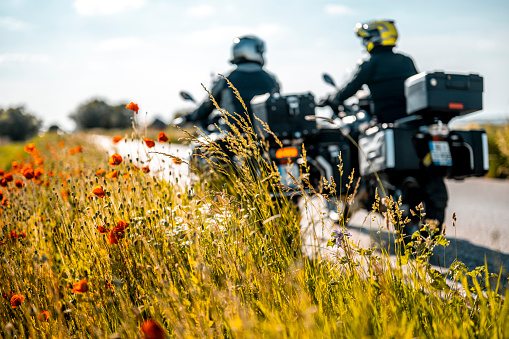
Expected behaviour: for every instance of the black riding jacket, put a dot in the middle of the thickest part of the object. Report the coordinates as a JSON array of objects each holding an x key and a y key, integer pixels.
[
  {"x": 250, "y": 79},
  {"x": 384, "y": 73}
]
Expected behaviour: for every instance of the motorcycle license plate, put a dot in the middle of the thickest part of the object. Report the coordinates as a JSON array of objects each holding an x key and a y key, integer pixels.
[
  {"x": 285, "y": 171},
  {"x": 440, "y": 153}
]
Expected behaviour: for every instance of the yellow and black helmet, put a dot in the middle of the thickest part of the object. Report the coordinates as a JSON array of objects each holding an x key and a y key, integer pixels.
[{"x": 375, "y": 33}]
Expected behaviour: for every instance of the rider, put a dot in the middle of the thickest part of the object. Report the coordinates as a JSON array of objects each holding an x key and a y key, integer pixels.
[
  {"x": 384, "y": 73},
  {"x": 249, "y": 78}
]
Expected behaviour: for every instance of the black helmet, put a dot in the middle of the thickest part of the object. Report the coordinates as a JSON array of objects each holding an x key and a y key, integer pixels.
[
  {"x": 377, "y": 33},
  {"x": 248, "y": 48}
]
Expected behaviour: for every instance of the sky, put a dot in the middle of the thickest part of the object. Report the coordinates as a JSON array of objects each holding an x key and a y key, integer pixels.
[{"x": 58, "y": 54}]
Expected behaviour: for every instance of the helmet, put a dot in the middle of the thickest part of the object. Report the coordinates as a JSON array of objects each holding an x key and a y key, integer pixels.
[
  {"x": 248, "y": 48},
  {"x": 375, "y": 33}
]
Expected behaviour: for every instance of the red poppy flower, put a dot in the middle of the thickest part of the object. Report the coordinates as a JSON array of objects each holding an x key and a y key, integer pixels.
[
  {"x": 133, "y": 107},
  {"x": 145, "y": 169},
  {"x": 38, "y": 172},
  {"x": 79, "y": 149},
  {"x": 3, "y": 182},
  {"x": 1, "y": 172},
  {"x": 72, "y": 151},
  {"x": 121, "y": 224},
  {"x": 100, "y": 172},
  {"x": 39, "y": 161},
  {"x": 149, "y": 142},
  {"x": 18, "y": 183},
  {"x": 61, "y": 144},
  {"x": 29, "y": 148},
  {"x": 1, "y": 195},
  {"x": 112, "y": 175},
  {"x": 162, "y": 137},
  {"x": 43, "y": 316},
  {"x": 8, "y": 177},
  {"x": 15, "y": 166},
  {"x": 102, "y": 229},
  {"x": 16, "y": 300},
  {"x": 115, "y": 235},
  {"x": 116, "y": 139},
  {"x": 80, "y": 287},
  {"x": 152, "y": 330},
  {"x": 115, "y": 159},
  {"x": 98, "y": 191}
]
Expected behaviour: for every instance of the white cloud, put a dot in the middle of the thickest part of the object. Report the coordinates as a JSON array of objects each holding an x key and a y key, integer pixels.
[
  {"x": 337, "y": 10},
  {"x": 12, "y": 24},
  {"x": 105, "y": 7},
  {"x": 201, "y": 11},
  {"x": 220, "y": 34},
  {"x": 116, "y": 44},
  {"x": 23, "y": 57}
]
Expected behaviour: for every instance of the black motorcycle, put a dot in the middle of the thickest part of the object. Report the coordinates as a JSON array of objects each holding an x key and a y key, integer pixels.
[{"x": 408, "y": 159}]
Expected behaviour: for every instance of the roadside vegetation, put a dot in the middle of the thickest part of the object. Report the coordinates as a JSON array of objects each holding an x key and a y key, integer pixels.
[{"x": 95, "y": 246}]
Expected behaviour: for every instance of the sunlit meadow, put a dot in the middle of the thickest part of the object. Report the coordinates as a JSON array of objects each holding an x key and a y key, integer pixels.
[{"x": 95, "y": 245}]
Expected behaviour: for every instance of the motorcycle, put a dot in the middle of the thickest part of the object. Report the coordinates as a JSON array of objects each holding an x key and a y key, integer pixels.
[{"x": 409, "y": 159}]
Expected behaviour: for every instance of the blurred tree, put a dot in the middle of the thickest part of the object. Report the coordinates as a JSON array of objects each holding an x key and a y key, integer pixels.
[
  {"x": 18, "y": 125},
  {"x": 98, "y": 114}
]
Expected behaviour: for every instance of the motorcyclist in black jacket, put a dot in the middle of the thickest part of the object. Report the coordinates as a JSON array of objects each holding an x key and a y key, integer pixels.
[
  {"x": 385, "y": 73},
  {"x": 249, "y": 78}
]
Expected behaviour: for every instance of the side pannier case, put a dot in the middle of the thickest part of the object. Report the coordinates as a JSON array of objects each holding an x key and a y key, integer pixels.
[
  {"x": 387, "y": 150},
  {"x": 443, "y": 95},
  {"x": 284, "y": 114},
  {"x": 469, "y": 152}
]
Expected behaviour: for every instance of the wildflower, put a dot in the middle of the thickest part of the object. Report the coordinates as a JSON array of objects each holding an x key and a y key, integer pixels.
[
  {"x": 115, "y": 234},
  {"x": 15, "y": 166},
  {"x": 133, "y": 107},
  {"x": 116, "y": 139},
  {"x": 145, "y": 169},
  {"x": 98, "y": 191},
  {"x": 162, "y": 137},
  {"x": 18, "y": 183},
  {"x": 79, "y": 149},
  {"x": 121, "y": 224},
  {"x": 100, "y": 172},
  {"x": 65, "y": 194},
  {"x": 38, "y": 161},
  {"x": 28, "y": 172},
  {"x": 177, "y": 161},
  {"x": 102, "y": 229},
  {"x": 3, "y": 182},
  {"x": 43, "y": 316},
  {"x": 149, "y": 142},
  {"x": 61, "y": 144},
  {"x": 38, "y": 172},
  {"x": 112, "y": 175},
  {"x": 152, "y": 330},
  {"x": 16, "y": 300},
  {"x": 1, "y": 195},
  {"x": 8, "y": 177},
  {"x": 72, "y": 151},
  {"x": 337, "y": 237},
  {"x": 1, "y": 172},
  {"x": 115, "y": 159},
  {"x": 29, "y": 148},
  {"x": 80, "y": 287},
  {"x": 51, "y": 174}
]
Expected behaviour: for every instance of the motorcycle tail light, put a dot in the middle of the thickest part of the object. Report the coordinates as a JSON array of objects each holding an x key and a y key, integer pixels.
[
  {"x": 287, "y": 152},
  {"x": 438, "y": 130}
]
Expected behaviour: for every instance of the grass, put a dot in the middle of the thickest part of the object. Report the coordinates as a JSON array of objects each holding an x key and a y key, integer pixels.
[{"x": 220, "y": 258}]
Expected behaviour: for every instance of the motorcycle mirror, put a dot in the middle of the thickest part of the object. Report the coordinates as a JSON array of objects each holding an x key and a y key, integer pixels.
[
  {"x": 186, "y": 96},
  {"x": 328, "y": 79}
]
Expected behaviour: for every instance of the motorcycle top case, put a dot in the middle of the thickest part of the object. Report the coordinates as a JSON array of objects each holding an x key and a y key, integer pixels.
[
  {"x": 284, "y": 114},
  {"x": 443, "y": 94},
  {"x": 387, "y": 150}
]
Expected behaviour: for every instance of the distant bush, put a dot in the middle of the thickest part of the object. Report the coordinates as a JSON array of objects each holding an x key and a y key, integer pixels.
[
  {"x": 16, "y": 124},
  {"x": 498, "y": 144},
  {"x": 98, "y": 114}
]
